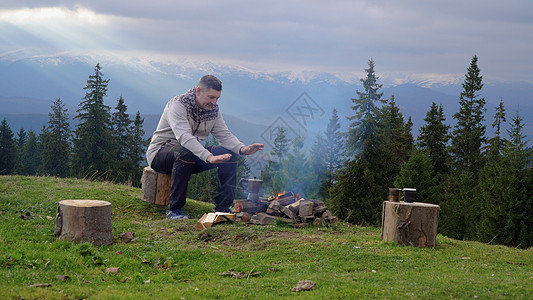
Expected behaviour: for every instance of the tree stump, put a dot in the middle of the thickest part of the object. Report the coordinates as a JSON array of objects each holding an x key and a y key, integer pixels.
[
  {"x": 84, "y": 221},
  {"x": 410, "y": 223},
  {"x": 155, "y": 187}
]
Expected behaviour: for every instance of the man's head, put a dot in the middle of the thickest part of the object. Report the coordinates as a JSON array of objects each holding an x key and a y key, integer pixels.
[{"x": 208, "y": 91}]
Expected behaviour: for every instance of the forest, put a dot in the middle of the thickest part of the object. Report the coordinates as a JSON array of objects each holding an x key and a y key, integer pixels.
[{"x": 484, "y": 184}]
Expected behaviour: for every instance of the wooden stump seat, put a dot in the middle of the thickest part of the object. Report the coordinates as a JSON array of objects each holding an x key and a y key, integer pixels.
[
  {"x": 84, "y": 221},
  {"x": 410, "y": 223},
  {"x": 155, "y": 187}
]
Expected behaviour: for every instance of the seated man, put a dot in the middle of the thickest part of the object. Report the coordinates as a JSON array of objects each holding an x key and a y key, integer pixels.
[{"x": 175, "y": 147}]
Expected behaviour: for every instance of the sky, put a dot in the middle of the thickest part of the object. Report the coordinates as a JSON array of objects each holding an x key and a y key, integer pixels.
[{"x": 407, "y": 39}]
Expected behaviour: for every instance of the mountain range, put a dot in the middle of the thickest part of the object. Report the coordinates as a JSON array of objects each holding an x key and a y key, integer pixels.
[{"x": 253, "y": 103}]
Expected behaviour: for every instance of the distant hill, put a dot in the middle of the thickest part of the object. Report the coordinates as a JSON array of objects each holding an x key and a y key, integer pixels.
[{"x": 29, "y": 85}]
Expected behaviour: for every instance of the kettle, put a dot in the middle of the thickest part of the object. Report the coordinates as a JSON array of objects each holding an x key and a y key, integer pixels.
[{"x": 252, "y": 186}]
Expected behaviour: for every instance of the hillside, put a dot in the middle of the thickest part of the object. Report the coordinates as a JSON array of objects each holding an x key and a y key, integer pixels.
[{"x": 170, "y": 259}]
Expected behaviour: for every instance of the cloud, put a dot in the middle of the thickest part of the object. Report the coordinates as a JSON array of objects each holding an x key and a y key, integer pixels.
[{"x": 409, "y": 37}]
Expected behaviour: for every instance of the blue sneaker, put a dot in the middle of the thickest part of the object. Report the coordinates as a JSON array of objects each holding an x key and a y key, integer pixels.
[
  {"x": 224, "y": 210},
  {"x": 176, "y": 215}
]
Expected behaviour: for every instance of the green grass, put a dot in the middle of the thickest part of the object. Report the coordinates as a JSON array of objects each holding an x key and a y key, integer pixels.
[{"x": 171, "y": 260}]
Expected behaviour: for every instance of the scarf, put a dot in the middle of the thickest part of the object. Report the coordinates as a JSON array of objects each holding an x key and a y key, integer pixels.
[{"x": 197, "y": 113}]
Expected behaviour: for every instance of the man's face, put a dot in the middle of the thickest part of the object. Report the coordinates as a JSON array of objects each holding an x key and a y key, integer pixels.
[{"x": 207, "y": 98}]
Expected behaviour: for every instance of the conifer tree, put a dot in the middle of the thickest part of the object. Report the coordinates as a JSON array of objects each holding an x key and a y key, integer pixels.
[
  {"x": 384, "y": 141},
  {"x": 22, "y": 138},
  {"x": 506, "y": 185},
  {"x": 433, "y": 139},
  {"x": 318, "y": 165},
  {"x": 334, "y": 146},
  {"x": 93, "y": 143},
  {"x": 362, "y": 127},
  {"x": 394, "y": 140},
  {"x": 469, "y": 132},
  {"x": 461, "y": 211},
  {"x": 8, "y": 149},
  {"x": 32, "y": 153},
  {"x": 496, "y": 143},
  {"x": 124, "y": 167},
  {"x": 281, "y": 143},
  {"x": 295, "y": 173},
  {"x": 417, "y": 173},
  {"x": 135, "y": 153},
  {"x": 56, "y": 142},
  {"x": 121, "y": 127}
]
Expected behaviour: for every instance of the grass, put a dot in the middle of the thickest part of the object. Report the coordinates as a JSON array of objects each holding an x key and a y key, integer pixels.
[{"x": 171, "y": 260}]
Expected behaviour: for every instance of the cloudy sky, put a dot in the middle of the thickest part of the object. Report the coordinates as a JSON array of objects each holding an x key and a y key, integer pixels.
[{"x": 407, "y": 39}]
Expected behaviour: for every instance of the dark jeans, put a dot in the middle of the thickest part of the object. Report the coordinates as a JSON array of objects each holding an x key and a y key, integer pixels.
[{"x": 182, "y": 163}]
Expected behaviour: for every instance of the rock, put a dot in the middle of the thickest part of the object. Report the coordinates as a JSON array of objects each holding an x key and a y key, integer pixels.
[
  {"x": 304, "y": 285},
  {"x": 62, "y": 277},
  {"x": 285, "y": 210},
  {"x": 263, "y": 219},
  {"x": 306, "y": 208},
  {"x": 112, "y": 270},
  {"x": 127, "y": 236}
]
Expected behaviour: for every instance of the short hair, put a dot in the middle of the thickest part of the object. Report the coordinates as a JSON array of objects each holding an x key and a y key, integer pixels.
[{"x": 210, "y": 82}]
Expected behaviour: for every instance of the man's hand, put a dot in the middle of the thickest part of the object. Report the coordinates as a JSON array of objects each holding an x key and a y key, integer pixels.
[
  {"x": 215, "y": 159},
  {"x": 251, "y": 149}
]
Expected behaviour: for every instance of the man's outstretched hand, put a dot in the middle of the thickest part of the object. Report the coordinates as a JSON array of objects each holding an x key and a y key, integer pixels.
[
  {"x": 251, "y": 149},
  {"x": 215, "y": 159}
]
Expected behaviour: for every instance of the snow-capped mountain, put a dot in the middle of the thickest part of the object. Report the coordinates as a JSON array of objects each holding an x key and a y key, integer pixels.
[{"x": 29, "y": 83}]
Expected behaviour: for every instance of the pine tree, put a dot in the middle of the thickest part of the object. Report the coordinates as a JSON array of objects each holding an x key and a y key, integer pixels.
[
  {"x": 506, "y": 185},
  {"x": 270, "y": 171},
  {"x": 124, "y": 168},
  {"x": 433, "y": 138},
  {"x": 394, "y": 141},
  {"x": 318, "y": 165},
  {"x": 136, "y": 149},
  {"x": 93, "y": 144},
  {"x": 384, "y": 142},
  {"x": 21, "y": 140},
  {"x": 281, "y": 144},
  {"x": 8, "y": 149},
  {"x": 417, "y": 173},
  {"x": 56, "y": 141},
  {"x": 362, "y": 127},
  {"x": 520, "y": 215},
  {"x": 32, "y": 152},
  {"x": 295, "y": 173},
  {"x": 334, "y": 146},
  {"x": 469, "y": 132},
  {"x": 462, "y": 208},
  {"x": 496, "y": 143}
]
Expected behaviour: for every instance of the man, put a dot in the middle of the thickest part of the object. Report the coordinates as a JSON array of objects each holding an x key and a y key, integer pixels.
[{"x": 175, "y": 147}]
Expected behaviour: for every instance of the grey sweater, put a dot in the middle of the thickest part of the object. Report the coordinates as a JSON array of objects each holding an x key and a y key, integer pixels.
[{"x": 178, "y": 127}]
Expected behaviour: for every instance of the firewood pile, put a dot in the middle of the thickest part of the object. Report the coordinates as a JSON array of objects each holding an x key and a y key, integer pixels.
[{"x": 287, "y": 207}]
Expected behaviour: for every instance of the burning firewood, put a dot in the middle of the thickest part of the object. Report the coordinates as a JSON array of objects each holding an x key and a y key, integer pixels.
[{"x": 287, "y": 206}]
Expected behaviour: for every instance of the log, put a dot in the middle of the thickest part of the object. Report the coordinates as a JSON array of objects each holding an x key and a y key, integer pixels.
[
  {"x": 155, "y": 187},
  {"x": 84, "y": 221},
  {"x": 410, "y": 223}
]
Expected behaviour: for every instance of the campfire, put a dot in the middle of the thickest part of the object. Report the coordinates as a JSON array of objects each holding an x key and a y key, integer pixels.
[{"x": 289, "y": 207}]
